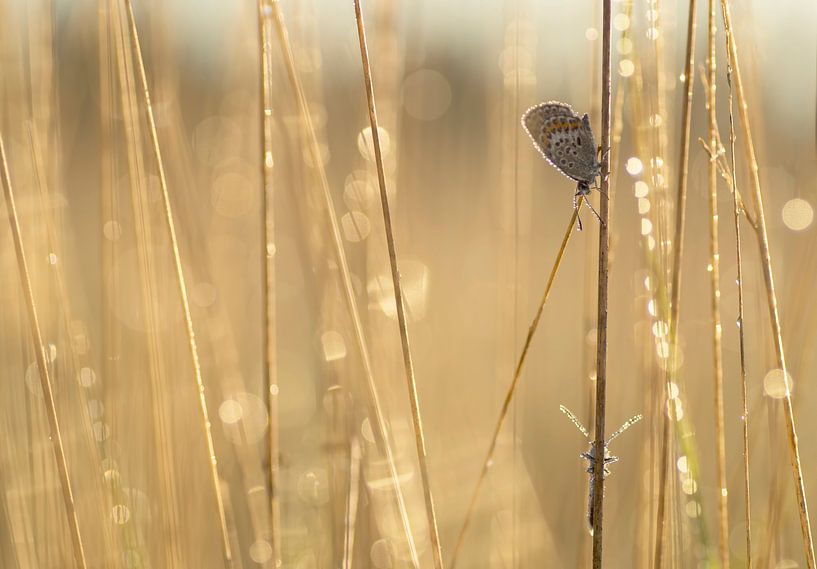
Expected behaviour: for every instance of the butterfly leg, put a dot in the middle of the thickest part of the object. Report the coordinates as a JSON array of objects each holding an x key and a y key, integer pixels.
[
  {"x": 601, "y": 159},
  {"x": 603, "y": 155},
  {"x": 597, "y": 186},
  {"x": 587, "y": 202},
  {"x": 599, "y": 190},
  {"x": 576, "y": 209}
]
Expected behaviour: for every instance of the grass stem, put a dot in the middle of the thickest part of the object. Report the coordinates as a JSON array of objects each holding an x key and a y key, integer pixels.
[
  {"x": 182, "y": 287},
  {"x": 375, "y": 406},
  {"x": 408, "y": 364},
  {"x": 506, "y": 403},
  {"x": 771, "y": 296},
  {"x": 268, "y": 270},
  {"x": 714, "y": 274},
  {"x": 42, "y": 365},
  {"x": 742, "y": 328},
  {"x": 603, "y": 289},
  {"x": 677, "y": 258}
]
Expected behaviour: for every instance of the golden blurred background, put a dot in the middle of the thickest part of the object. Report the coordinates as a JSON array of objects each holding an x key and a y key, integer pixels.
[{"x": 298, "y": 348}]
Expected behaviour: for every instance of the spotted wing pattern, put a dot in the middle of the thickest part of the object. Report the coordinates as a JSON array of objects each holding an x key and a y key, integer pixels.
[
  {"x": 534, "y": 118},
  {"x": 564, "y": 139}
]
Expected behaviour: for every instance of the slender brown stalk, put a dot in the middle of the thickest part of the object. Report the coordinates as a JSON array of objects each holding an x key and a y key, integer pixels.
[
  {"x": 408, "y": 364},
  {"x": 375, "y": 407},
  {"x": 678, "y": 252},
  {"x": 714, "y": 273},
  {"x": 771, "y": 296},
  {"x": 506, "y": 404},
  {"x": 108, "y": 201},
  {"x": 663, "y": 474},
  {"x": 585, "y": 540},
  {"x": 352, "y": 499},
  {"x": 717, "y": 153},
  {"x": 741, "y": 327},
  {"x": 76, "y": 360},
  {"x": 183, "y": 297},
  {"x": 604, "y": 251},
  {"x": 268, "y": 269},
  {"x": 42, "y": 366},
  {"x": 770, "y": 540},
  {"x": 143, "y": 230}
]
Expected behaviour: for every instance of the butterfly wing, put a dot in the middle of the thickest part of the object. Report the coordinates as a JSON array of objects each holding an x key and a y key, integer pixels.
[
  {"x": 564, "y": 139},
  {"x": 535, "y": 117}
]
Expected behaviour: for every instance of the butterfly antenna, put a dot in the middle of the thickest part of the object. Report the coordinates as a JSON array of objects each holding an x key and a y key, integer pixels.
[
  {"x": 576, "y": 422},
  {"x": 629, "y": 423}
]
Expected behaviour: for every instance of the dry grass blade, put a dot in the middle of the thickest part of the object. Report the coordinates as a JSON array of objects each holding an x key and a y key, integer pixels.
[
  {"x": 717, "y": 153},
  {"x": 506, "y": 403},
  {"x": 182, "y": 287},
  {"x": 741, "y": 329},
  {"x": 408, "y": 364},
  {"x": 604, "y": 252},
  {"x": 236, "y": 159},
  {"x": 143, "y": 230},
  {"x": 375, "y": 407},
  {"x": 678, "y": 252},
  {"x": 771, "y": 296},
  {"x": 42, "y": 365},
  {"x": 268, "y": 293},
  {"x": 714, "y": 274},
  {"x": 352, "y": 500}
]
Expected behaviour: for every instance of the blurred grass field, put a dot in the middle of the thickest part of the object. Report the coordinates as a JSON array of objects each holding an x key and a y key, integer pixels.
[{"x": 303, "y": 473}]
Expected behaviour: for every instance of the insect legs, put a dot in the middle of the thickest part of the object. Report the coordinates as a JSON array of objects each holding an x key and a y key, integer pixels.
[
  {"x": 590, "y": 455},
  {"x": 583, "y": 189}
]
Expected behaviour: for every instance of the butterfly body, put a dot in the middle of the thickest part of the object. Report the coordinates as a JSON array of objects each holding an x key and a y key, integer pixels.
[{"x": 566, "y": 141}]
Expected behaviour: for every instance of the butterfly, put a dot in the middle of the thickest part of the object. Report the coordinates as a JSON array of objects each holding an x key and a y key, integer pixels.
[
  {"x": 590, "y": 456},
  {"x": 566, "y": 141}
]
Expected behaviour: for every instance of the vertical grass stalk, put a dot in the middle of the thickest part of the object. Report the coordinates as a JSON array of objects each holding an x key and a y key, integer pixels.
[
  {"x": 42, "y": 365},
  {"x": 375, "y": 407},
  {"x": 771, "y": 296},
  {"x": 604, "y": 251},
  {"x": 714, "y": 273},
  {"x": 183, "y": 297},
  {"x": 268, "y": 270},
  {"x": 170, "y": 525},
  {"x": 741, "y": 327},
  {"x": 506, "y": 403},
  {"x": 408, "y": 364},
  {"x": 677, "y": 258},
  {"x": 352, "y": 503}
]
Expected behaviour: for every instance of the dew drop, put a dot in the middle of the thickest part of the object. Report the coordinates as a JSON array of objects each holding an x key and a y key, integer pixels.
[
  {"x": 634, "y": 166},
  {"x": 120, "y": 514},
  {"x": 261, "y": 551}
]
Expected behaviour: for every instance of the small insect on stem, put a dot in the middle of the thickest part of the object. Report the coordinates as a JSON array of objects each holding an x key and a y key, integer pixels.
[{"x": 590, "y": 455}]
